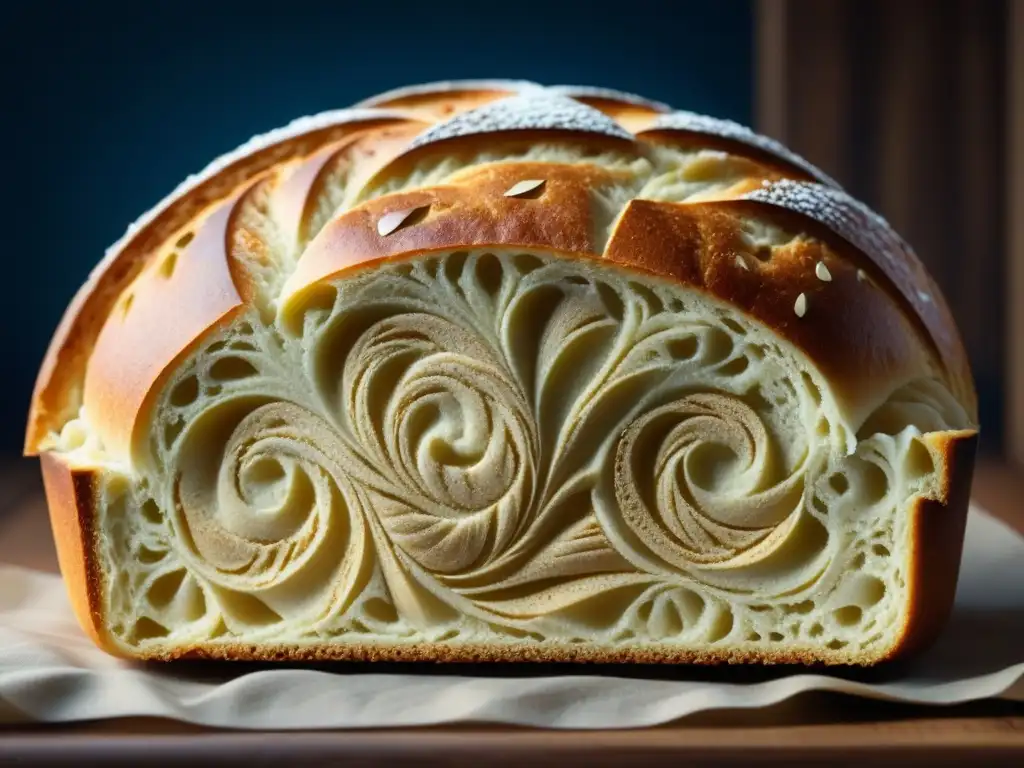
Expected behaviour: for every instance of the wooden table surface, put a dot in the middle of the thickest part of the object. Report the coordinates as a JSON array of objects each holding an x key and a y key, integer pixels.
[{"x": 810, "y": 728}]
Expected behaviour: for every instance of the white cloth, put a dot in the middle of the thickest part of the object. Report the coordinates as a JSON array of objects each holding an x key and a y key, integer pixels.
[{"x": 50, "y": 672}]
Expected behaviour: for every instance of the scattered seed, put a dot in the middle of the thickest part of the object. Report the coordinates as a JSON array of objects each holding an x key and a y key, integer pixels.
[
  {"x": 741, "y": 263},
  {"x": 861, "y": 275},
  {"x": 800, "y": 307},
  {"x": 821, "y": 270},
  {"x": 925, "y": 297},
  {"x": 391, "y": 222},
  {"x": 524, "y": 187}
]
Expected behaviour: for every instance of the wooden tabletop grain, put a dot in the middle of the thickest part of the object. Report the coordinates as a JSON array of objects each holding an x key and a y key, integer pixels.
[{"x": 813, "y": 728}]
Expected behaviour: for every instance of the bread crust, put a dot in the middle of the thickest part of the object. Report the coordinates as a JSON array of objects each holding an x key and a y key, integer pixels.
[
  {"x": 878, "y": 322},
  {"x": 71, "y": 499},
  {"x": 65, "y": 361},
  {"x": 935, "y": 532}
]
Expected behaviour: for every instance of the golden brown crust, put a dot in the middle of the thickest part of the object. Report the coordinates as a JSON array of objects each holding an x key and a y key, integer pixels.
[
  {"x": 472, "y": 211},
  {"x": 904, "y": 278},
  {"x": 468, "y": 653},
  {"x": 63, "y": 366},
  {"x": 71, "y": 498},
  {"x": 936, "y": 533},
  {"x": 851, "y": 331},
  {"x": 138, "y": 342}
]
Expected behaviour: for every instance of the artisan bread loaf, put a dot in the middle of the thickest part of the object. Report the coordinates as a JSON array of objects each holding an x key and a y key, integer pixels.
[{"x": 495, "y": 371}]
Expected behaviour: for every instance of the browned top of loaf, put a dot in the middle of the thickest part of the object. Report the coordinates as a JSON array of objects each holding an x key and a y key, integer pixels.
[{"x": 879, "y": 321}]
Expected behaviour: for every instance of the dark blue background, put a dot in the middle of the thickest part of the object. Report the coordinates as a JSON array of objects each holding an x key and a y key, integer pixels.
[{"x": 107, "y": 106}]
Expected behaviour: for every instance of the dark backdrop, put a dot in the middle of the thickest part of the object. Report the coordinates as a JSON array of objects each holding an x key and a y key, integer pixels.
[{"x": 107, "y": 106}]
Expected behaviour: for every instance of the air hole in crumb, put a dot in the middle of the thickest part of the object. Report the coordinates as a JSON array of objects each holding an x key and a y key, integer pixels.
[
  {"x": 734, "y": 326},
  {"x": 848, "y": 615},
  {"x": 127, "y": 305},
  {"x": 576, "y": 280},
  {"x": 763, "y": 253},
  {"x": 858, "y": 561},
  {"x": 919, "y": 461},
  {"x": 816, "y": 630},
  {"x": 151, "y": 512},
  {"x": 185, "y": 393},
  {"x": 872, "y": 590},
  {"x": 147, "y": 629},
  {"x": 380, "y": 610},
  {"x": 819, "y": 505},
  {"x": 451, "y": 634},
  {"x": 165, "y": 588},
  {"x": 721, "y": 627},
  {"x": 760, "y": 608},
  {"x": 718, "y": 345},
  {"x": 835, "y": 645},
  {"x": 804, "y": 607},
  {"x": 734, "y": 367},
  {"x": 150, "y": 556},
  {"x": 184, "y": 240},
  {"x": 875, "y": 483},
  {"x": 776, "y": 637},
  {"x": 611, "y": 300},
  {"x": 454, "y": 265},
  {"x": 243, "y": 346},
  {"x": 172, "y": 430},
  {"x": 232, "y": 368},
  {"x": 823, "y": 428},
  {"x": 754, "y": 637},
  {"x": 643, "y": 613},
  {"x": 682, "y": 349},
  {"x": 839, "y": 483},
  {"x": 490, "y": 273},
  {"x": 526, "y": 263},
  {"x": 881, "y": 550},
  {"x": 168, "y": 264},
  {"x": 811, "y": 387}
]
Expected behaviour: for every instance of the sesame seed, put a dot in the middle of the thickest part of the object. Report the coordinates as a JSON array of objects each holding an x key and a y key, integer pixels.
[
  {"x": 861, "y": 275},
  {"x": 741, "y": 263},
  {"x": 524, "y": 187},
  {"x": 925, "y": 297},
  {"x": 800, "y": 307},
  {"x": 821, "y": 270},
  {"x": 391, "y": 222}
]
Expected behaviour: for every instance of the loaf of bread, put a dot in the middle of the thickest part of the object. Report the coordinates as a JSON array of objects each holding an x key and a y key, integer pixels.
[{"x": 491, "y": 371}]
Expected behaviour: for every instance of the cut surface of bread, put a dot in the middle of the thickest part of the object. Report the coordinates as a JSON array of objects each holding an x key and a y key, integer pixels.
[{"x": 492, "y": 371}]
